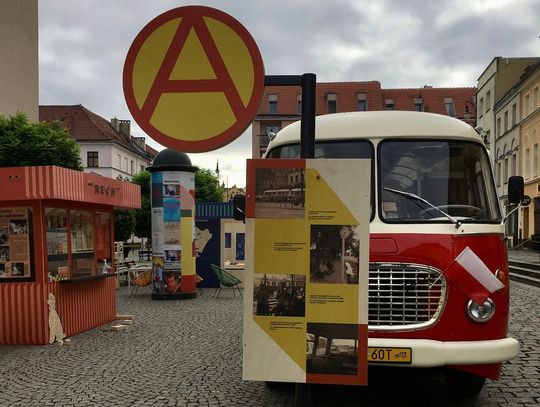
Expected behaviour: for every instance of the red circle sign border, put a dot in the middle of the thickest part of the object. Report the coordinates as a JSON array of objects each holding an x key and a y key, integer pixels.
[{"x": 246, "y": 116}]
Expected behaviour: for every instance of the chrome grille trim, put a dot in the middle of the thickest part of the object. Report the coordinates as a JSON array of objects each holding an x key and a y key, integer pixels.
[{"x": 404, "y": 296}]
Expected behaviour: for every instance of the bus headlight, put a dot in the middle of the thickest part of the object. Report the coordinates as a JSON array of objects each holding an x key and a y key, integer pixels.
[{"x": 481, "y": 313}]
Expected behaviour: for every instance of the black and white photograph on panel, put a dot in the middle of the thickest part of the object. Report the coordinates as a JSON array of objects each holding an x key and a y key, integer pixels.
[
  {"x": 334, "y": 254},
  {"x": 280, "y": 193},
  {"x": 279, "y": 295},
  {"x": 332, "y": 348}
]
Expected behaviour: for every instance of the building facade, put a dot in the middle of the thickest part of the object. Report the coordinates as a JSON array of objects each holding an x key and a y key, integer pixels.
[
  {"x": 281, "y": 105},
  {"x": 507, "y": 154},
  {"x": 107, "y": 148},
  {"x": 495, "y": 81},
  {"x": 530, "y": 141},
  {"x": 19, "y": 85}
]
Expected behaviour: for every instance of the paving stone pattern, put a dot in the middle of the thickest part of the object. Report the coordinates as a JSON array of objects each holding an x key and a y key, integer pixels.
[{"x": 188, "y": 353}]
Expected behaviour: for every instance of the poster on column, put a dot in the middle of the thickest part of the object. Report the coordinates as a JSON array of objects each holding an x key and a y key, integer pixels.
[{"x": 306, "y": 283}]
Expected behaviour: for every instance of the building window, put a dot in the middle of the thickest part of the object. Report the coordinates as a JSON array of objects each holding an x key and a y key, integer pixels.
[
  {"x": 535, "y": 161},
  {"x": 527, "y": 163},
  {"x": 141, "y": 168},
  {"x": 488, "y": 100},
  {"x": 331, "y": 100},
  {"x": 92, "y": 159},
  {"x": 514, "y": 164},
  {"x": 418, "y": 104},
  {"x": 526, "y": 104},
  {"x": 132, "y": 167},
  {"x": 362, "y": 102},
  {"x": 498, "y": 175},
  {"x": 125, "y": 164},
  {"x": 505, "y": 170},
  {"x": 119, "y": 161},
  {"x": 271, "y": 129},
  {"x": 498, "y": 127},
  {"x": 272, "y": 104},
  {"x": 299, "y": 103},
  {"x": 506, "y": 121},
  {"x": 481, "y": 106},
  {"x": 389, "y": 104},
  {"x": 449, "y": 104},
  {"x": 514, "y": 114}
]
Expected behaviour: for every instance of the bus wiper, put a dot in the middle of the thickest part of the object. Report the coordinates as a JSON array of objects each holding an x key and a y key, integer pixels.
[{"x": 410, "y": 195}]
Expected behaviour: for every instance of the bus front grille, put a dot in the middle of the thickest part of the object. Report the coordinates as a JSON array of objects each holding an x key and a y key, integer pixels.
[{"x": 404, "y": 295}]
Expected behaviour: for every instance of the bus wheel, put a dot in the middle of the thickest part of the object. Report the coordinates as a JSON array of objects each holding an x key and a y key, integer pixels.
[{"x": 464, "y": 384}]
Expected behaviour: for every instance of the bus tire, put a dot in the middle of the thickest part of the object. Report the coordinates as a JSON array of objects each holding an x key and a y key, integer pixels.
[{"x": 464, "y": 384}]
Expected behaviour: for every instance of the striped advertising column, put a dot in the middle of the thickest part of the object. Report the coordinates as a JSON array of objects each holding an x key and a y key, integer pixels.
[{"x": 173, "y": 225}]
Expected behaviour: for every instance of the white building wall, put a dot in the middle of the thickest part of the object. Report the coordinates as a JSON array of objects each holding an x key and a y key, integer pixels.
[
  {"x": 484, "y": 108},
  {"x": 109, "y": 163}
]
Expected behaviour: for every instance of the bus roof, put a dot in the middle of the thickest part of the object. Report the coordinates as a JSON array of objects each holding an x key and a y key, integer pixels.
[{"x": 380, "y": 124}]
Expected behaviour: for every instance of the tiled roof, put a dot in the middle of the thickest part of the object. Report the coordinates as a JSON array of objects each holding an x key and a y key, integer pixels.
[{"x": 84, "y": 125}]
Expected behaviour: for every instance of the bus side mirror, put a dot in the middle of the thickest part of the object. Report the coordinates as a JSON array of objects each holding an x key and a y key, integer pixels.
[
  {"x": 515, "y": 190},
  {"x": 239, "y": 207}
]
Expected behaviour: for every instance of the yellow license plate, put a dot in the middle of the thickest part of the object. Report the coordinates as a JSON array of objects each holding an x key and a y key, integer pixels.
[{"x": 389, "y": 355}]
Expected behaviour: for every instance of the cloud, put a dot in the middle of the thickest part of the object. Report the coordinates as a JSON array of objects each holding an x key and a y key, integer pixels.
[{"x": 399, "y": 43}]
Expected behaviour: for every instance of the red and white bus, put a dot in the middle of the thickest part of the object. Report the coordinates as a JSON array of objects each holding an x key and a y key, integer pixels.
[{"x": 433, "y": 196}]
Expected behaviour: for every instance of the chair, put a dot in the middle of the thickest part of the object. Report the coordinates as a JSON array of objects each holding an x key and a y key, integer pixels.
[
  {"x": 225, "y": 280},
  {"x": 198, "y": 280},
  {"x": 139, "y": 279}
]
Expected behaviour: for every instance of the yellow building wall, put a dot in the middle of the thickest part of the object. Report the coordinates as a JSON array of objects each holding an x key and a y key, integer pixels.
[{"x": 530, "y": 137}]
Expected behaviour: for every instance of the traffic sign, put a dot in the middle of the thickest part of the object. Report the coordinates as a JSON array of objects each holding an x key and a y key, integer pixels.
[{"x": 193, "y": 78}]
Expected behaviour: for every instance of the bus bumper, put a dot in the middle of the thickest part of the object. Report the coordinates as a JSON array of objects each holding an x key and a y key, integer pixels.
[{"x": 430, "y": 353}]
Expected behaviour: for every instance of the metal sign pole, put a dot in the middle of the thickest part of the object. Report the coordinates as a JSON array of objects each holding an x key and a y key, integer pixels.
[{"x": 308, "y": 81}]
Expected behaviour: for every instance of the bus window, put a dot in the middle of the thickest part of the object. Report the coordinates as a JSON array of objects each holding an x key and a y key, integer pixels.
[{"x": 454, "y": 176}]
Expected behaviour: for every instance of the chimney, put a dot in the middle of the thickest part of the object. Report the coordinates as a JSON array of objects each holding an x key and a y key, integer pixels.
[
  {"x": 124, "y": 127},
  {"x": 114, "y": 124},
  {"x": 140, "y": 141}
]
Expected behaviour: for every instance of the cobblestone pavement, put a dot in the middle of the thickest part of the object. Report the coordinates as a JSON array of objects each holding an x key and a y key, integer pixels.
[{"x": 188, "y": 353}]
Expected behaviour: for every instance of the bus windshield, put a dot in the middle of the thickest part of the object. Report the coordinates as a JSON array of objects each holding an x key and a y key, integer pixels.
[{"x": 453, "y": 176}]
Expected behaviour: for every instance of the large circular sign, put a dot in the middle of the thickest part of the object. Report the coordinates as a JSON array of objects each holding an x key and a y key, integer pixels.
[{"x": 193, "y": 79}]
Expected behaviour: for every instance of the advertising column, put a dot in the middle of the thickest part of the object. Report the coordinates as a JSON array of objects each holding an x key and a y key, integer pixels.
[
  {"x": 173, "y": 217},
  {"x": 306, "y": 287}
]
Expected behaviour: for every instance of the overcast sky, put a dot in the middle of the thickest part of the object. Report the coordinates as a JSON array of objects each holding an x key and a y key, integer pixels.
[{"x": 401, "y": 43}]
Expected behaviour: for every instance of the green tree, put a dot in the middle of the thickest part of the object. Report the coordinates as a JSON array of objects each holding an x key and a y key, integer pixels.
[
  {"x": 207, "y": 188},
  {"x": 124, "y": 224},
  {"x": 143, "y": 216},
  {"x": 29, "y": 144}
]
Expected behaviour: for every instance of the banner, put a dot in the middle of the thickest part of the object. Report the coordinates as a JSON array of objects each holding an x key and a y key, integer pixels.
[{"x": 306, "y": 287}]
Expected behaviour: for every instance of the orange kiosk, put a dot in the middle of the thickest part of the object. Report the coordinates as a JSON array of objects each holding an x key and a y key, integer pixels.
[{"x": 56, "y": 237}]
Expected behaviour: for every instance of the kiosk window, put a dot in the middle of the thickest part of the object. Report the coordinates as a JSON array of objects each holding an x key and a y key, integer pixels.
[
  {"x": 82, "y": 235},
  {"x": 103, "y": 239},
  {"x": 57, "y": 243}
]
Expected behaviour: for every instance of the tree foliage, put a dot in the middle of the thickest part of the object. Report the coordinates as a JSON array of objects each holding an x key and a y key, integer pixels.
[
  {"x": 207, "y": 188},
  {"x": 29, "y": 144},
  {"x": 143, "y": 216},
  {"x": 124, "y": 224}
]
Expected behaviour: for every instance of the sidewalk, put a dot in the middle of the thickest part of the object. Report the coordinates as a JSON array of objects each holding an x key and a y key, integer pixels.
[{"x": 524, "y": 255}]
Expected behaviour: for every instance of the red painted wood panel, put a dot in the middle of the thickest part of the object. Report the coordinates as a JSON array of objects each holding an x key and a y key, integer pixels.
[
  {"x": 23, "y": 314},
  {"x": 85, "y": 305}
]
